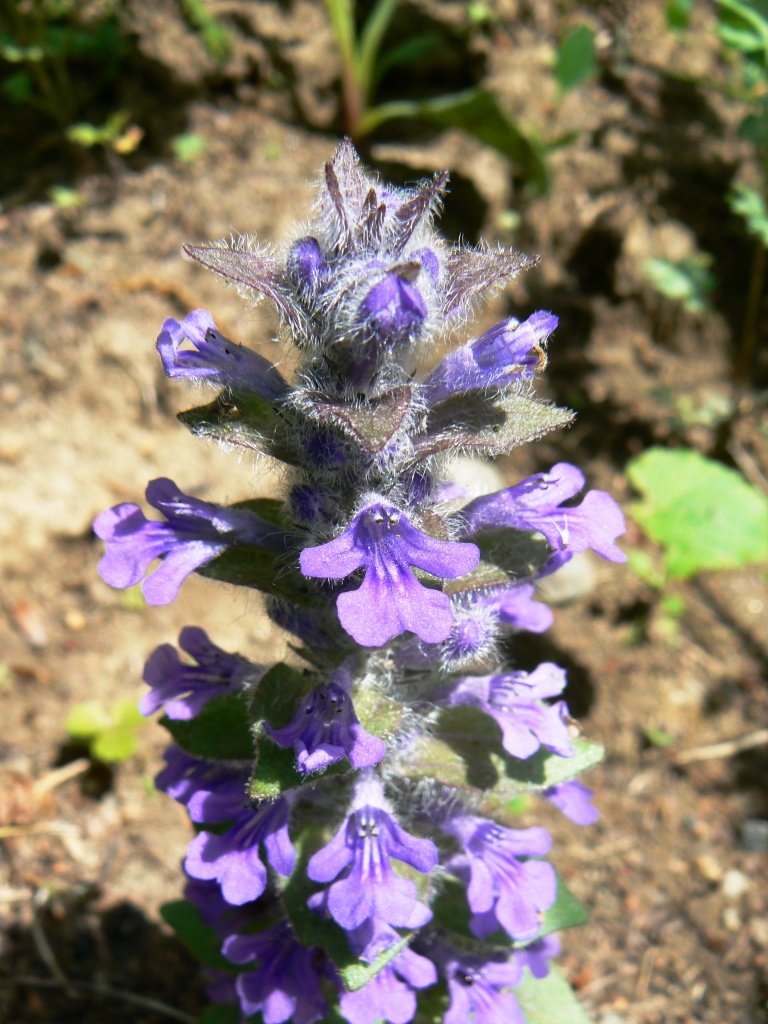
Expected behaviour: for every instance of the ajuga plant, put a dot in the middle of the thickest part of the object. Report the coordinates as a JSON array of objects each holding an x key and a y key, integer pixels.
[{"x": 358, "y": 855}]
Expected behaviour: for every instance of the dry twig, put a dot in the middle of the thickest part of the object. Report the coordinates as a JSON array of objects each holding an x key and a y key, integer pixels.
[{"x": 713, "y": 751}]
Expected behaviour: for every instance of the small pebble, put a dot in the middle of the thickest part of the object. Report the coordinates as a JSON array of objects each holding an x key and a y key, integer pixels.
[
  {"x": 754, "y": 835},
  {"x": 735, "y": 884},
  {"x": 75, "y": 620},
  {"x": 758, "y": 931},
  {"x": 731, "y": 919},
  {"x": 709, "y": 868}
]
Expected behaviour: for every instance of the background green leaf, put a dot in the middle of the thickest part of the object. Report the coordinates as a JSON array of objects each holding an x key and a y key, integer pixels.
[
  {"x": 549, "y": 1000},
  {"x": 705, "y": 515},
  {"x": 576, "y": 58}
]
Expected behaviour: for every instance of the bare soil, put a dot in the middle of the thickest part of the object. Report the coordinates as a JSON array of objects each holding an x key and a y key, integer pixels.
[{"x": 675, "y": 886}]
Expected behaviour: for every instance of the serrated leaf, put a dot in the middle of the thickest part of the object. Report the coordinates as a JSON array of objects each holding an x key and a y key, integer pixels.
[
  {"x": 220, "y": 731},
  {"x": 549, "y": 1000},
  {"x": 373, "y": 423},
  {"x": 576, "y": 58},
  {"x": 487, "y": 425},
  {"x": 202, "y": 939},
  {"x": 705, "y": 515},
  {"x": 465, "y": 752},
  {"x": 274, "y": 771},
  {"x": 113, "y": 746},
  {"x": 248, "y": 421},
  {"x": 87, "y": 720}
]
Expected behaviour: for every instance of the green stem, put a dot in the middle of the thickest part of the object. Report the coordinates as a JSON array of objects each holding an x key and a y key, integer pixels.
[{"x": 341, "y": 14}]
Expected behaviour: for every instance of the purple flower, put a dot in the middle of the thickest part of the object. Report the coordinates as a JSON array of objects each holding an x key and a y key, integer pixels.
[
  {"x": 325, "y": 728},
  {"x": 185, "y": 689},
  {"x": 233, "y": 857},
  {"x": 216, "y": 358},
  {"x": 537, "y": 504},
  {"x": 360, "y": 853},
  {"x": 381, "y": 540},
  {"x": 503, "y": 890},
  {"x": 393, "y": 311},
  {"x": 390, "y": 994},
  {"x": 196, "y": 532},
  {"x": 536, "y": 957},
  {"x": 508, "y": 352},
  {"x": 476, "y": 987},
  {"x": 210, "y": 790},
  {"x": 285, "y": 985},
  {"x": 573, "y": 799},
  {"x": 517, "y": 608},
  {"x": 513, "y": 701}
]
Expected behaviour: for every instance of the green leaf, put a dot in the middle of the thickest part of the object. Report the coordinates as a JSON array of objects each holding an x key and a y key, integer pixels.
[
  {"x": 689, "y": 281},
  {"x": 248, "y": 421},
  {"x": 188, "y": 147},
  {"x": 248, "y": 565},
  {"x": 751, "y": 206},
  {"x": 565, "y": 912},
  {"x": 474, "y": 422},
  {"x": 518, "y": 553},
  {"x": 113, "y": 746},
  {"x": 549, "y": 1000},
  {"x": 678, "y": 14},
  {"x": 202, "y": 939},
  {"x": 703, "y": 514},
  {"x": 576, "y": 58},
  {"x": 279, "y": 691},
  {"x": 477, "y": 113},
  {"x": 465, "y": 752},
  {"x": 220, "y": 1014},
  {"x": 126, "y": 714},
  {"x": 87, "y": 720},
  {"x": 743, "y": 25},
  {"x": 221, "y": 730}
]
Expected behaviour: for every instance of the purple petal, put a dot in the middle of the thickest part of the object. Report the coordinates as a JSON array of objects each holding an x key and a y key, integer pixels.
[{"x": 574, "y": 800}]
